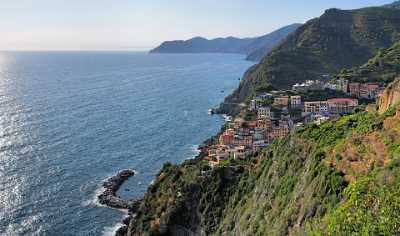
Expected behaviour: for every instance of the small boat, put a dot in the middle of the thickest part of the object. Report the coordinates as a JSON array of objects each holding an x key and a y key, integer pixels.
[
  {"x": 227, "y": 118},
  {"x": 211, "y": 111}
]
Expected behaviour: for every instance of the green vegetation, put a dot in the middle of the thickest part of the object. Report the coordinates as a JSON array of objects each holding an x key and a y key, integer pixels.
[
  {"x": 371, "y": 206},
  {"x": 181, "y": 190},
  {"x": 303, "y": 184},
  {"x": 325, "y": 45},
  {"x": 338, "y": 178},
  {"x": 383, "y": 67}
]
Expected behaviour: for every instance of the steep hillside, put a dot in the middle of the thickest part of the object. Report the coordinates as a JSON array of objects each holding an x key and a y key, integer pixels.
[
  {"x": 339, "y": 178},
  {"x": 256, "y": 47},
  {"x": 383, "y": 67},
  {"x": 264, "y": 44},
  {"x": 338, "y": 39},
  {"x": 299, "y": 185}
]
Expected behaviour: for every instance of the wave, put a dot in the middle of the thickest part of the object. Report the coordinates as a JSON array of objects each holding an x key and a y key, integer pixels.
[
  {"x": 111, "y": 230},
  {"x": 194, "y": 152}
]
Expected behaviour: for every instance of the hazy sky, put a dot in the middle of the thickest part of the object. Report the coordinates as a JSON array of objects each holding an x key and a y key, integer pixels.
[{"x": 130, "y": 24}]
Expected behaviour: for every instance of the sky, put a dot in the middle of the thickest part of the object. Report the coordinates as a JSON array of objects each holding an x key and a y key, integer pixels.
[{"x": 144, "y": 24}]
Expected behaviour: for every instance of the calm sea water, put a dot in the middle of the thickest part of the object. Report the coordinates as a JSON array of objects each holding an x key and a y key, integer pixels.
[{"x": 69, "y": 120}]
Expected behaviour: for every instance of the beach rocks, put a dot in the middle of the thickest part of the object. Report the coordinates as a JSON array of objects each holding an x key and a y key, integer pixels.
[{"x": 111, "y": 186}]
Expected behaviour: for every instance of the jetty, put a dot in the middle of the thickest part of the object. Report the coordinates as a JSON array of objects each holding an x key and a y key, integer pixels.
[{"x": 108, "y": 197}]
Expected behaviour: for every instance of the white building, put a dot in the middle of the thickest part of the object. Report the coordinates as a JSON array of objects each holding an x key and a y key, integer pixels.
[{"x": 295, "y": 101}]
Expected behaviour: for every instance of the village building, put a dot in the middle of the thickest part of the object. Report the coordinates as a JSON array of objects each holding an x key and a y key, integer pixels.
[
  {"x": 243, "y": 140},
  {"x": 315, "y": 107},
  {"x": 253, "y": 105},
  {"x": 222, "y": 152},
  {"x": 309, "y": 85},
  {"x": 265, "y": 95},
  {"x": 295, "y": 101},
  {"x": 320, "y": 118},
  {"x": 343, "y": 85},
  {"x": 238, "y": 123},
  {"x": 369, "y": 90},
  {"x": 342, "y": 105},
  {"x": 227, "y": 137},
  {"x": 354, "y": 89},
  {"x": 331, "y": 86},
  {"x": 252, "y": 124},
  {"x": 265, "y": 124},
  {"x": 281, "y": 101},
  {"x": 240, "y": 152},
  {"x": 264, "y": 112},
  {"x": 258, "y": 134},
  {"x": 278, "y": 132}
]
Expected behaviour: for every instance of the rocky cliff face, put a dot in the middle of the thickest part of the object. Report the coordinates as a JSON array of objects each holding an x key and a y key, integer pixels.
[{"x": 390, "y": 97}]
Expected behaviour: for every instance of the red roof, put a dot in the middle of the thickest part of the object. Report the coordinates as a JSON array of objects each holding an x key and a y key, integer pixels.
[{"x": 342, "y": 100}]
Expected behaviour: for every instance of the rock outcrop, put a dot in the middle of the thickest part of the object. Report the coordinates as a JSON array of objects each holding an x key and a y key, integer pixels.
[{"x": 390, "y": 97}]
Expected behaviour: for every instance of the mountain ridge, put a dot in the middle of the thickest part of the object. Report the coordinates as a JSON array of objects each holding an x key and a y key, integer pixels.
[{"x": 254, "y": 47}]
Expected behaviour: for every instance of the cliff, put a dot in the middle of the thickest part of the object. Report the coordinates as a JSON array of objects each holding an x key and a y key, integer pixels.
[
  {"x": 256, "y": 48},
  {"x": 305, "y": 184},
  {"x": 336, "y": 40},
  {"x": 390, "y": 97}
]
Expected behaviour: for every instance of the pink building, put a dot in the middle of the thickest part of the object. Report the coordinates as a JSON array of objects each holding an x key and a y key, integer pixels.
[
  {"x": 369, "y": 90},
  {"x": 227, "y": 138},
  {"x": 354, "y": 89}
]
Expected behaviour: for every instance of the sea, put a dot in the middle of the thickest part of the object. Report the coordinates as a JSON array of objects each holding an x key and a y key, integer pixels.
[{"x": 70, "y": 120}]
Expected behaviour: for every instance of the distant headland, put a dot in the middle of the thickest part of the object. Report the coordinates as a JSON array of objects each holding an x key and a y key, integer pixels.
[{"x": 255, "y": 48}]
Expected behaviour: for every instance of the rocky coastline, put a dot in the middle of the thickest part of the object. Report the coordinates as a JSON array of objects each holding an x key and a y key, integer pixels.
[{"x": 108, "y": 197}]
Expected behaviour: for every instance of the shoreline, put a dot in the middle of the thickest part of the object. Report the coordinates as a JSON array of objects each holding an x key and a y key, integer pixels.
[
  {"x": 133, "y": 205},
  {"x": 108, "y": 197}
]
